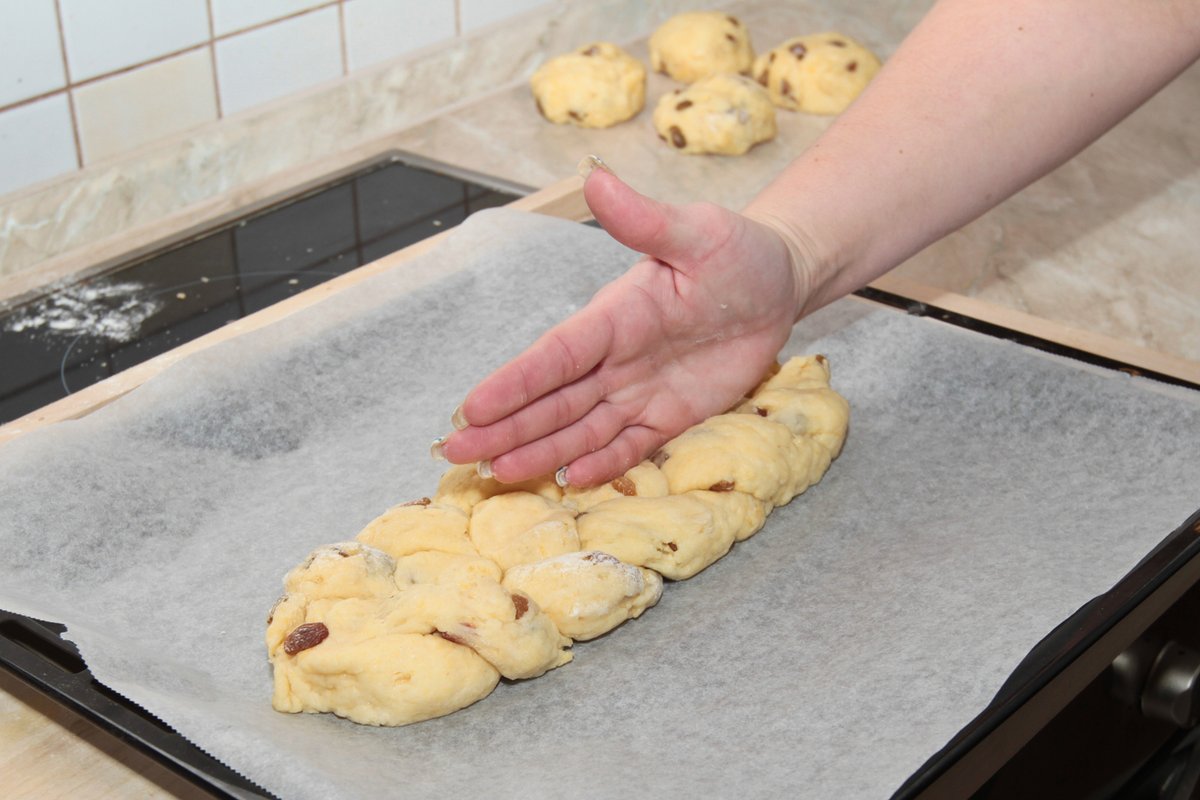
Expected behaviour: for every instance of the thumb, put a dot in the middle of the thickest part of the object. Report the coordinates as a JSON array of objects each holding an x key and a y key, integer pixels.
[{"x": 636, "y": 221}]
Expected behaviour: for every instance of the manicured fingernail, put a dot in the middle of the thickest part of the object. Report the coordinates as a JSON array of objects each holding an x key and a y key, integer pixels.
[
  {"x": 560, "y": 477},
  {"x": 589, "y": 164},
  {"x": 484, "y": 469},
  {"x": 458, "y": 419},
  {"x": 435, "y": 449}
]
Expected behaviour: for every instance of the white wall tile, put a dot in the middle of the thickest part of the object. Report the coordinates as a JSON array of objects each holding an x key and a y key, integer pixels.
[
  {"x": 377, "y": 30},
  {"x": 35, "y": 142},
  {"x": 233, "y": 15},
  {"x": 118, "y": 114},
  {"x": 278, "y": 59},
  {"x": 478, "y": 13},
  {"x": 30, "y": 53},
  {"x": 107, "y": 35}
]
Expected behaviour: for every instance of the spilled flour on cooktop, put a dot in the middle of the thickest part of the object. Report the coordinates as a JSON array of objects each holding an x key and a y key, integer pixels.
[{"x": 113, "y": 311}]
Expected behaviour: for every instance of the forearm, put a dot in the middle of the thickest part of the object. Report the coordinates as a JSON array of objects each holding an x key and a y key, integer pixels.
[{"x": 983, "y": 98}]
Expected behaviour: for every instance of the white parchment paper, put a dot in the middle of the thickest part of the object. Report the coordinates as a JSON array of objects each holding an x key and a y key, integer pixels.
[{"x": 985, "y": 492}]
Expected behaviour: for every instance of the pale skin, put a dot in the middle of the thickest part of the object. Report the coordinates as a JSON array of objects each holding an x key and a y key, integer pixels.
[{"x": 980, "y": 100}]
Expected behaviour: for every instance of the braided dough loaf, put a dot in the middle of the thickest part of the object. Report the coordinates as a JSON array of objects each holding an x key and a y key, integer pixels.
[{"x": 437, "y": 599}]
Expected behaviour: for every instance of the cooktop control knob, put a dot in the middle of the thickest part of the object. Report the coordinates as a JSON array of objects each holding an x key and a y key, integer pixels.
[{"x": 1171, "y": 690}]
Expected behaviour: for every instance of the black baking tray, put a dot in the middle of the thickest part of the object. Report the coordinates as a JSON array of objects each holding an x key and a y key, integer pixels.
[{"x": 34, "y": 651}]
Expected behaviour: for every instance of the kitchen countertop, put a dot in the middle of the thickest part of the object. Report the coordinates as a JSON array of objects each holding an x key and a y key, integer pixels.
[{"x": 1107, "y": 243}]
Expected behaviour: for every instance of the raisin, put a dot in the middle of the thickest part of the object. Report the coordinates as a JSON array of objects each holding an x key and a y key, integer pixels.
[
  {"x": 677, "y": 137},
  {"x": 591, "y": 51},
  {"x": 771, "y": 57},
  {"x": 574, "y": 115},
  {"x": 785, "y": 88},
  {"x": 521, "y": 604},
  {"x": 624, "y": 486},
  {"x": 763, "y": 78},
  {"x": 450, "y": 637},
  {"x": 682, "y": 104},
  {"x": 762, "y": 412},
  {"x": 731, "y": 37},
  {"x": 674, "y": 547},
  {"x": 798, "y": 50},
  {"x": 733, "y": 19},
  {"x": 820, "y": 359},
  {"x": 837, "y": 43},
  {"x": 852, "y": 66},
  {"x": 424, "y": 501},
  {"x": 310, "y": 634},
  {"x": 721, "y": 486}
]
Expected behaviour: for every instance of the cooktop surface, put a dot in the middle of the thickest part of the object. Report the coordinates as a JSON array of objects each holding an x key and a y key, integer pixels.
[{"x": 82, "y": 332}]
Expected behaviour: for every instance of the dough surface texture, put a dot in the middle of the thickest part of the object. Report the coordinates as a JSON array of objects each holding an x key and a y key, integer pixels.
[
  {"x": 699, "y": 44},
  {"x": 819, "y": 74},
  {"x": 724, "y": 114},
  {"x": 437, "y": 599},
  {"x": 596, "y": 86}
]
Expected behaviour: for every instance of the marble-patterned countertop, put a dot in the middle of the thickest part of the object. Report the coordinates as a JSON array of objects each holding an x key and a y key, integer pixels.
[{"x": 1107, "y": 243}]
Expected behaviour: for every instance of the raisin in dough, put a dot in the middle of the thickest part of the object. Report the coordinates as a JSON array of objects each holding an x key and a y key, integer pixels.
[
  {"x": 698, "y": 44},
  {"x": 724, "y": 114},
  {"x": 819, "y": 74},
  {"x": 596, "y": 86},
  {"x": 438, "y": 599}
]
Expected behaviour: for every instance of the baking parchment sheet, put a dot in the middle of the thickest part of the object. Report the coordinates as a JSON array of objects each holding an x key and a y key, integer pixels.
[{"x": 985, "y": 492}]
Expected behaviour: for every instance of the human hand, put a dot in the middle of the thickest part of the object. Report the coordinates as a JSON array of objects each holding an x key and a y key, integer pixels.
[{"x": 682, "y": 335}]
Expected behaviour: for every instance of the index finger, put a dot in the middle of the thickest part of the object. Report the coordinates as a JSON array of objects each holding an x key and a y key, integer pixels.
[{"x": 562, "y": 355}]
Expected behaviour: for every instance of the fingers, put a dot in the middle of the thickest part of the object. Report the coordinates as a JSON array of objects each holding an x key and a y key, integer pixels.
[
  {"x": 560, "y": 357},
  {"x": 598, "y": 428},
  {"x": 648, "y": 226},
  {"x": 553, "y": 411},
  {"x": 630, "y": 447}
]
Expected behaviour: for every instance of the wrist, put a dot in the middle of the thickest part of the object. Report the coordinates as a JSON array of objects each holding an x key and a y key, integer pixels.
[{"x": 814, "y": 263}]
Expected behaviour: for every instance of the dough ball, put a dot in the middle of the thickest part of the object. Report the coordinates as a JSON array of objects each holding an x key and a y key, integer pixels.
[
  {"x": 520, "y": 528},
  {"x": 674, "y": 536},
  {"x": 644, "y": 480},
  {"x": 743, "y": 452},
  {"x": 820, "y": 74},
  {"x": 389, "y": 679},
  {"x": 452, "y": 569},
  {"x": 738, "y": 512},
  {"x": 596, "y": 86},
  {"x": 698, "y": 44},
  {"x": 462, "y": 488},
  {"x": 421, "y": 525},
  {"x": 724, "y": 114},
  {"x": 586, "y": 593},
  {"x": 799, "y": 397},
  {"x": 338, "y": 571}
]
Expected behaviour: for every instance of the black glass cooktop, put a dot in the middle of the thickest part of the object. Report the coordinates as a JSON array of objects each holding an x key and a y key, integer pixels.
[{"x": 81, "y": 333}]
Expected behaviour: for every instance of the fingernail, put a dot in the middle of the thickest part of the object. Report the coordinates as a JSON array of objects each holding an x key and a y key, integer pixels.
[
  {"x": 458, "y": 419},
  {"x": 560, "y": 477},
  {"x": 484, "y": 469},
  {"x": 435, "y": 449},
  {"x": 589, "y": 164}
]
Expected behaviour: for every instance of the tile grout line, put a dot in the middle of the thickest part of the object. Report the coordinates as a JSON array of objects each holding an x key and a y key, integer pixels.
[
  {"x": 341, "y": 9},
  {"x": 62, "y": 45},
  {"x": 212, "y": 59}
]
